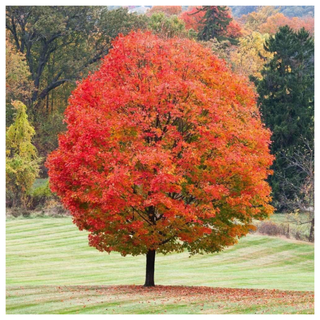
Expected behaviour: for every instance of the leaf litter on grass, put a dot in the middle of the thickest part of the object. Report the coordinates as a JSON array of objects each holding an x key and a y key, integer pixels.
[{"x": 133, "y": 299}]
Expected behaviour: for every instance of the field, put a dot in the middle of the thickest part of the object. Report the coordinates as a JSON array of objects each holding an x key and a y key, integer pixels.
[{"x": 51, "y": 269}]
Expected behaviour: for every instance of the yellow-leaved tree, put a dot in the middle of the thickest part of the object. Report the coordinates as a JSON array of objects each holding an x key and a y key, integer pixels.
[
  {"x": 250, "y": 56},
  {"x": 22, "y": 161}
]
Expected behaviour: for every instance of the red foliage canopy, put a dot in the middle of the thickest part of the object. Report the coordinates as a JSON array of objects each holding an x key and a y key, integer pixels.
[
  {"x": 164, "y": 150},
  {"x": 192, "y": 19},
  {"x": 234, "y": 30}
]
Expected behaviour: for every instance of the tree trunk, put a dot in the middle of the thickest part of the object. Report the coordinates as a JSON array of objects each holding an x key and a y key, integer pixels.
[
  {"x": 151, "y": 255},
  {"x": 311, "y": 234}
]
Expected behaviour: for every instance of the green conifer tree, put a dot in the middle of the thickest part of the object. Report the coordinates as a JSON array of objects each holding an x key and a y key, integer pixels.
[
  {"x": 286, "y": 98},
  {"x": 214, "y": 23}
]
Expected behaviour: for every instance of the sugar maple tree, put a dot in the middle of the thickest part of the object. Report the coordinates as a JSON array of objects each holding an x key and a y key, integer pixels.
[{"x": 165, "y": 151}]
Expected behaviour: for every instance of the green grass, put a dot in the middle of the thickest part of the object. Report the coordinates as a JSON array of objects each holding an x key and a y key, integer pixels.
[
  {"x": 159, "y": 300},
  {"x": 44, "y": 254},
  {"x": 54, "y": 252}
]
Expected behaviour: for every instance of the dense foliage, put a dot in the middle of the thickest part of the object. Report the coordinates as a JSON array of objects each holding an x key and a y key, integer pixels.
[
  {"x": 217, "y": 23},
  {"x": 274, "y": 22},
  {"x": 50, "y": 48},
  {"x": 249, "y": 57},
  {"x": 18, "y": 80},
  {"x": 192, "y": 18},
  {"x": 167, "y": 26},
  {"x": 22, "y": 162},
  {"x": 165, "y": 150},
  {"x": 62, "y": 43},
  {"x": 286, "y": 97},
  {"x": 269, "y": 20}
]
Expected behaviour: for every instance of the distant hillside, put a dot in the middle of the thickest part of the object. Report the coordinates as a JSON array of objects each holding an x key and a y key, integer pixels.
[
  {"x": 238, "y": 11},
  {"x": 289, "y": 11}
]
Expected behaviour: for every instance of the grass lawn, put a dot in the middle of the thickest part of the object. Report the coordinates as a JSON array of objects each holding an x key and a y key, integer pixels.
[{"x": 51, "y": 269}]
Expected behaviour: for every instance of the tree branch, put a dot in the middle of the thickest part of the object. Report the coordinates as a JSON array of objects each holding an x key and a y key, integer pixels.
[
  {"x": 141, "y": 216},
  {"x": 52, "y": 86}
]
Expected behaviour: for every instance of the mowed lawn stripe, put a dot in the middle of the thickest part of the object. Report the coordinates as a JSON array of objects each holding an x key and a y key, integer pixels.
[
  {"x": 161, "y": 299},
  {"x": 53, "y": 251},
  {"x": 25, "y": 224},
  {"x": 31, "y": 229}
]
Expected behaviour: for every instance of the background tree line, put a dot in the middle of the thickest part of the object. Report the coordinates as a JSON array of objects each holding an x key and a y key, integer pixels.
[{"x": 49, "y": 49}]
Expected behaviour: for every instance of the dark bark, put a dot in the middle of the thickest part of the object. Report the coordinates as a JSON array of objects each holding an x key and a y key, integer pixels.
[
  {"x": 311, "y": 234},
  {"x": 150, "y": 258},
  {"x": 52, "y": 86},
  {"x": 13, "y": 30},
  {"x": 95, "y": 58},
  {"x": 43, "y": 59}
]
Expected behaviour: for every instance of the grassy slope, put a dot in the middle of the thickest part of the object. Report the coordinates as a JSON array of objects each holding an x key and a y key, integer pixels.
[{"x": 52, "y": 252}]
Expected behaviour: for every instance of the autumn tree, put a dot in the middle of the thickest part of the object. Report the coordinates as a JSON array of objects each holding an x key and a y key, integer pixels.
[
  {"x": 268, "y": 19},
  {"x": 286, "y": 97},
  {"x": 192, "y": 18},
  {"x": 250, "y": 56},
  {"x": 234, "y": 31},
  {"x": 18, "y": 80},
  {"x": 253, "y": 20},
  {"x": 274, "y": 22},
  {"x": 164, "y": 151},
  {"x": 22, "y": 162}
]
